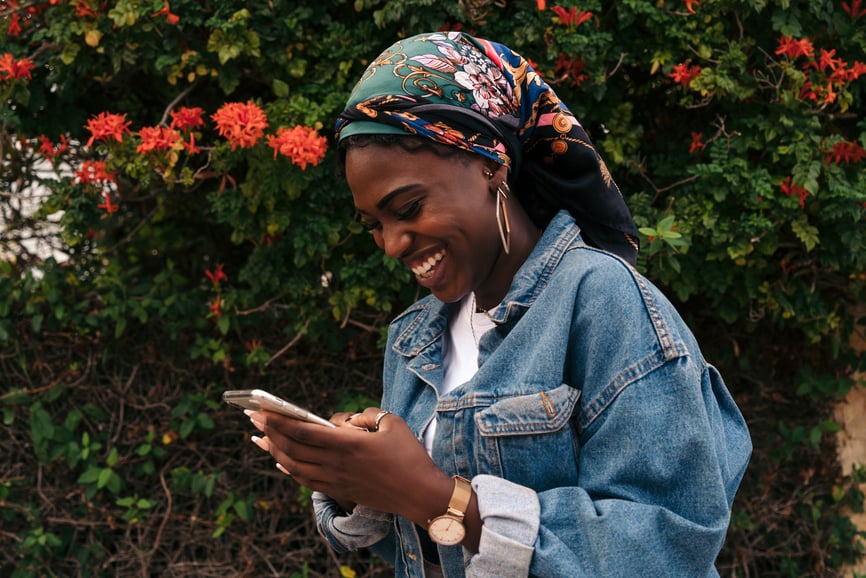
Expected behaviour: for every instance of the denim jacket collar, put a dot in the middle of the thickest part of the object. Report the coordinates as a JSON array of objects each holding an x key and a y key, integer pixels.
[{"x": 431, "y": 315}]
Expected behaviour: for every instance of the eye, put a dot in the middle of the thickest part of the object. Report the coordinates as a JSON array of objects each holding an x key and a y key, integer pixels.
[
  {"x": 410, "y": 211},
  {"x": 369, "y": 226}
]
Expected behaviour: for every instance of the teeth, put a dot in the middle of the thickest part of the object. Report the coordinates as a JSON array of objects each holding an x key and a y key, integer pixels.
[{"x": 424, "y": 268}]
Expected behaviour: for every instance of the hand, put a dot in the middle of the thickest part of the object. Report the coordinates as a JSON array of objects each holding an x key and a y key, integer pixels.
[{"x": 387, "y": 470}]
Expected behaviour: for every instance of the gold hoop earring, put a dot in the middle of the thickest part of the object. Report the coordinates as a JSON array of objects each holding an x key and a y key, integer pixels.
[{"x": 502, "y": 216}]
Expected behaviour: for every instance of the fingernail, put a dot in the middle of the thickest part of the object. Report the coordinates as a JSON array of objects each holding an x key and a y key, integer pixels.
[
  {"x": 249, "y": 412},
  {"x": 258, "y": 425},
  {"x": 262, "y": 443},
  {"x": 282, "y": 469}
]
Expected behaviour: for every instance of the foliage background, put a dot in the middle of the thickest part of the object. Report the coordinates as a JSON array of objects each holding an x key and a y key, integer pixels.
[{"x": 741, "y": 159}]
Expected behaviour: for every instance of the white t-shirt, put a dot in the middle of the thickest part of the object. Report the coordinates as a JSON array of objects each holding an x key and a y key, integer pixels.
[{"x": 460, "y": 352}]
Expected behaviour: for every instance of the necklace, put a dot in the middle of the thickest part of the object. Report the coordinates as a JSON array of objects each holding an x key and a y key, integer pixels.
[
  {"x": 472, "y": 318},
  {"x": 473, "y": 309}
]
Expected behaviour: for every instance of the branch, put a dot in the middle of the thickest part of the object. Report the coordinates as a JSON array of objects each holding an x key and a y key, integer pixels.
[{"x": 290, "y": 344}]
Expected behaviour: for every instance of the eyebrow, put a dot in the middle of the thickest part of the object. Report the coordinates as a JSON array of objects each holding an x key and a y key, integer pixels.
[{"x": 383, "y": 202}]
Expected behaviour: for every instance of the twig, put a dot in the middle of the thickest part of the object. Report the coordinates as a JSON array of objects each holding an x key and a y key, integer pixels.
[
  {"x": 290, "y": 344},
  {"x": 176, "y": 100}
]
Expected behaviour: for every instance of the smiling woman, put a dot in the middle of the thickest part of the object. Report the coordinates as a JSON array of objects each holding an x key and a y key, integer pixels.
[{"x": 546, "y": 401}]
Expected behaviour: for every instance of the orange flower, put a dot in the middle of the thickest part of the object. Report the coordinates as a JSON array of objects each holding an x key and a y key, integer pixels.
[
  {"x": 157, "y": 138},
  {"x": 794, "y": 48},
  {"x": 166, "y": 11},
  {"x": 109, "y": 207},
  {"x": 94, "y": 172},
  {"x": 185, "y": 118},
  {"x": 241, "y": 124},
  {"x": 215, "y": 307},
  {"x": 11, "y": 69},
  {"x": 542, "y": 4},
  {"x": 684, "y": 73},
  {"x": 106, "y": 126},
  {"x": 690, "y": 5},
  {"x": 301, "y": 144}
]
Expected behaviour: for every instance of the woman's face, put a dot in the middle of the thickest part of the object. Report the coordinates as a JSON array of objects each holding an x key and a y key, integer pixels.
[{"x": 437, "y": 215}]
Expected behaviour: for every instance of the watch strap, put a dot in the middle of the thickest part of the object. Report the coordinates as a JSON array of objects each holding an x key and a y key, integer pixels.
[{"x": 459, "y": 501}]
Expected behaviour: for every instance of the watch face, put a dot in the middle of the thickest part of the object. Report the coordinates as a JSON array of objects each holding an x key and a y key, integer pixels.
[{"x": 446, "y": 530}]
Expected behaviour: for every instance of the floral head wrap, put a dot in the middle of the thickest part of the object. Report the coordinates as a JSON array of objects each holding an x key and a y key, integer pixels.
[{"x": 482, "y": 97}]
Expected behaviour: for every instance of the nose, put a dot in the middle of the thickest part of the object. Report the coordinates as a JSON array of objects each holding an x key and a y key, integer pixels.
[{"x": 394, "y": 239}]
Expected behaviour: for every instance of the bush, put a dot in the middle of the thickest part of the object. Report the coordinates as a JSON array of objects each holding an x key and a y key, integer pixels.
[{"x": 173, "y": 227}]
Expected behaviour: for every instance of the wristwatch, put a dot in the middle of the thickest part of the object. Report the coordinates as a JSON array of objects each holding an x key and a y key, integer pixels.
[{"x": 448, "y": 529}]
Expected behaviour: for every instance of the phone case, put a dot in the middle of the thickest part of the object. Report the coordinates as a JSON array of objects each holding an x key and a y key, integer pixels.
[{"x": 256, "y": 399}]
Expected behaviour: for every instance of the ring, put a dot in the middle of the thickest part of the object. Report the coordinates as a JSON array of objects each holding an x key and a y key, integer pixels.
[{"x": 379, "y": 417}]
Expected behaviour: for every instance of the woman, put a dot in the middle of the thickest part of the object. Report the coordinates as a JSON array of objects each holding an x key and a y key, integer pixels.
[{"x": 545, "y": 411}]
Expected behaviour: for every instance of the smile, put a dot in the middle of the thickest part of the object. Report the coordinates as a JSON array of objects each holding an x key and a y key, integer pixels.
[{"x": 423, "y": 270}]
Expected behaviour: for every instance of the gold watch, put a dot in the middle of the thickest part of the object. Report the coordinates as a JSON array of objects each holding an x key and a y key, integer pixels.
[{"x": 448, "y": 529}]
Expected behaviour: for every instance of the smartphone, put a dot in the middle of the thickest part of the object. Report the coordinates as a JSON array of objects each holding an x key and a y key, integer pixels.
[{"x": 256, "y": 399}]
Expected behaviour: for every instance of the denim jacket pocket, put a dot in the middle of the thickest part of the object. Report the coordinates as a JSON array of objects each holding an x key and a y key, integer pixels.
[{"x": 530, "y": 439}]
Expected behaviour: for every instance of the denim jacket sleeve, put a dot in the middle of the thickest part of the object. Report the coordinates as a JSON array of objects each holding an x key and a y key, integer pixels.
[{"x": 360, "y": 529}]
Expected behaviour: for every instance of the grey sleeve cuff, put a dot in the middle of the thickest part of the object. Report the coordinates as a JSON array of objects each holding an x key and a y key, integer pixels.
[{"x": 511, "y": 516}]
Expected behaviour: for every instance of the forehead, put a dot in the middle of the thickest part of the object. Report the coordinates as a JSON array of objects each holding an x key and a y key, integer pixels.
[{"x": 376, "y": 171}]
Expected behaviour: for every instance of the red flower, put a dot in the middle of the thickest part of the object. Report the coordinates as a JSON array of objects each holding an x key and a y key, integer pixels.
[
  {"x": 794, "y": 48},
  {"x": 48, "y": 149},
  {"x": 157, "y": 138},
  {"x": 571, "y": 17},
  {"x": 826, "y": 61},
  {"x": 301, "y": 144},
  {"x": 14, "y": 25},
  {"x": 11, "y": 69},
  {"x": 854, "y": 9},
  {"x": 684, "y": 74},
  {"x": 87, "y": 9},
  {"x": 790, "y": 188},
  {"x": 94, "y": 172},
  {"x": 186, "y": 118},
  {"x": 857, "y": 70},
  {"x": 106, "y": 126},
  {"x": 215, "y": 307},
  {"x": 847, "y": 152},
  {"x": 569, "y": 68},
  {"x": 166, "y": 11},
  {"x": 541, "y": 4},
  {"x": 253, "y": 344},
  {"x": 696, "y": 146},
  {"x": 217, "y": 274},
  {"x": 109, "y": 207},
  {"x": 242, "y": 124}
]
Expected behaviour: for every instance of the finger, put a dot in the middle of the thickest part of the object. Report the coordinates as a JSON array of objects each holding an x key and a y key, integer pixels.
[
  {"x": 370, "y": 419},
  {"x": 256, "y": 418},
  {"x": 263, "y": 443}
]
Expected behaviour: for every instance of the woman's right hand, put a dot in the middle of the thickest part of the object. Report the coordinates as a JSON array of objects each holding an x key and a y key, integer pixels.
[{"x": 387, "y": 469}]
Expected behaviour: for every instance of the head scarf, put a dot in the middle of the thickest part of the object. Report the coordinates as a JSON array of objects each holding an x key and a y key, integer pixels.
[{"x": 482, "y": 97}]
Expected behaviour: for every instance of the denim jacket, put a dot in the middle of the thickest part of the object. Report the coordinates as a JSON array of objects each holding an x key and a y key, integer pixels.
[{"x": 598, "y": 440}]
